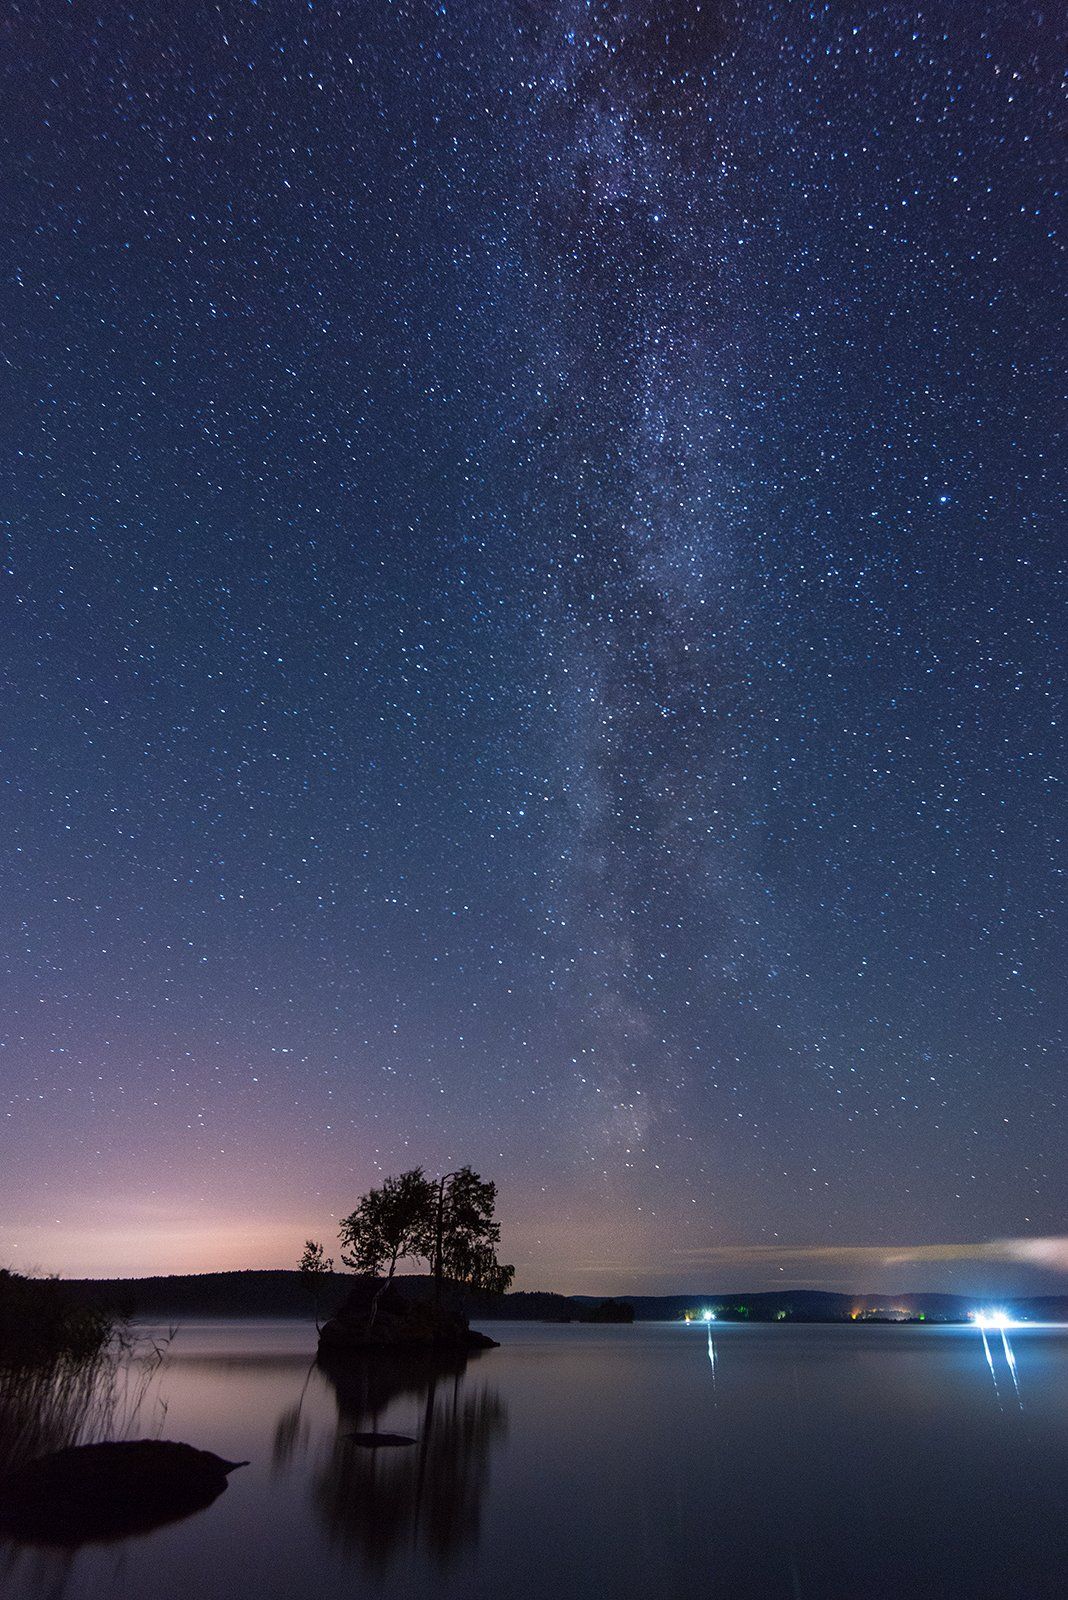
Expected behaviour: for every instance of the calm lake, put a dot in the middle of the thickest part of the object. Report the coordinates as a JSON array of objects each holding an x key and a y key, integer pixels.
[{"x": 653, "y": 1460}]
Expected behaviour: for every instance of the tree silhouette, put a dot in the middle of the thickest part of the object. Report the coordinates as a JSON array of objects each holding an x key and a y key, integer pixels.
[
  {"x": 389, "y": 1225},
  {"x": 465, "y": 1234},
  {"x": 448, "y": 1224},
  {"x": 314, "y": 1265}
]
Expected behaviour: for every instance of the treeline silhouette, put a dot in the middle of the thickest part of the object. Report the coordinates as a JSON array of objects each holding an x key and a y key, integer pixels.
[
  {"x": 42, "y": 1319},
  {"x": 285, "y": 1294},
  {"x": 281, "y": 1293}
]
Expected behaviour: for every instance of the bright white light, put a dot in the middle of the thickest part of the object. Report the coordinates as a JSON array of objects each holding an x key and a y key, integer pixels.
[
  {"x": 999, "y": 1320},
  {"x": 710, "y": 1316},
  {"x": 995, "y": 1321}
]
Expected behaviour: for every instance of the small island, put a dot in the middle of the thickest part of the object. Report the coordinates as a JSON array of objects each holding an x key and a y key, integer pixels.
[
  {"x": 448, "y": 1223},
  {"x": 608, "y": 1311},
  {"x": 376, "y": 1316}
]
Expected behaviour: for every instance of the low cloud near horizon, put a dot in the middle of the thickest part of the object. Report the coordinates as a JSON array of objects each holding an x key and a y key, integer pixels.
[{"x": 1049, "y": 1254}]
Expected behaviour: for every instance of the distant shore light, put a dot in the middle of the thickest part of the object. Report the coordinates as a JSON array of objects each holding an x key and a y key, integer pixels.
[{"x": 993, "y": 1319}]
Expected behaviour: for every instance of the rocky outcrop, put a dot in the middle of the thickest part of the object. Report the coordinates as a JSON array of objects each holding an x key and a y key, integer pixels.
[
  {"x": 380, "y": 1318},
  {"x": 108, "y": 1491}
]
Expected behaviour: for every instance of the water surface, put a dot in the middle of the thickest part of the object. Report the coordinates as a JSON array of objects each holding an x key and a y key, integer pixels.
[{"x": 654, "y": 1460}]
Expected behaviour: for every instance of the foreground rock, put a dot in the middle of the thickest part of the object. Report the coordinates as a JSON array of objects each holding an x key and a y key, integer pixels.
[
  {"x": 108, "y": 1491},
  {"x": 395, "y": 1322}
]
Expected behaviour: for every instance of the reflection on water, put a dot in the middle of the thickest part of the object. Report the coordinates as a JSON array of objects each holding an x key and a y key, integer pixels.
[
  {"x": 426, "y": 1495},
  {"x": 1011, "y": 1362},
  {"x": 778, "y": 1463},
  {"x": 998, "y": 1327}
]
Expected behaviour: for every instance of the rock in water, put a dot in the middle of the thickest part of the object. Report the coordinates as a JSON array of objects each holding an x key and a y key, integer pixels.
[
  {"x": 108, "y": 1491},
  {"x": 375, "y": 1441},
  {"x": 377, "y": 1316}
]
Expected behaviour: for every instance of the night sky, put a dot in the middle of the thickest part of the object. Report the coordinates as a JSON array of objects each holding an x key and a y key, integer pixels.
[{"x": 531, "y": 616}]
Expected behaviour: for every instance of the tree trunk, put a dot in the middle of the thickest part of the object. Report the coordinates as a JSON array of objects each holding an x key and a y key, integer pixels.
[
  {"x": 439, "y": 1243},
  {"x": 379, "y": 1292}
]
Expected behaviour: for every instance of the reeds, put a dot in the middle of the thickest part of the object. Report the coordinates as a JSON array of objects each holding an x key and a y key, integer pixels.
[{"x": 80, "y": 1398}]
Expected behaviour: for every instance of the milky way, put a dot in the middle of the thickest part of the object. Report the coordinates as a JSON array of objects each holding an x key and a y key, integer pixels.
[{"x": 531, "y": 599}]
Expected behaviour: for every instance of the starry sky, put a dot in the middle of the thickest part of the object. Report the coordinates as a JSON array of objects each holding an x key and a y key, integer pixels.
[{"x": 530, "y": 611}]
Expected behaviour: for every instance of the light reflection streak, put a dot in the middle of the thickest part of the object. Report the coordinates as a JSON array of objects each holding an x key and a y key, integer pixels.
[
  {"x": 989, "y": 1357},
  {"x": 1010, "y": 1362},
  {"x": 999, "y": 1322}
]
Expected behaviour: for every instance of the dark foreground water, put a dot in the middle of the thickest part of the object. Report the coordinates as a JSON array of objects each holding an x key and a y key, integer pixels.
[{"x": 574, "y": 1461}]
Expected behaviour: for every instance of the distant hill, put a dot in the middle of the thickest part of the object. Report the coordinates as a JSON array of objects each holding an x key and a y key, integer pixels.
[
  {"x": 280, "y": 1294},
  {"x": 212, "y": 1294},
  {"x": 286, "y": 1294},
  {"x": 823, "y": 1305}
]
